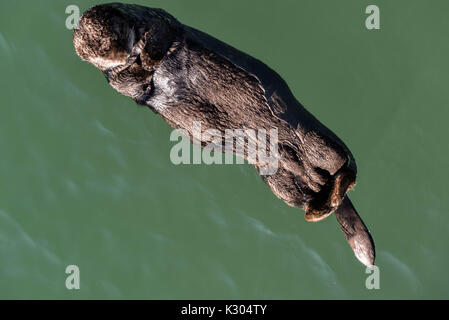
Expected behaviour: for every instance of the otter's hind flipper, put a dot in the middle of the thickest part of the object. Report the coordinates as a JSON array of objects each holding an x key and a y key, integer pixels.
[{"x": 356, "y": 233}]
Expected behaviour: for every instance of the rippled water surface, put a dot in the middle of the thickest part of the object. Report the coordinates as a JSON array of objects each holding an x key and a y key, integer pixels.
[{"x": 86, "y": 179}]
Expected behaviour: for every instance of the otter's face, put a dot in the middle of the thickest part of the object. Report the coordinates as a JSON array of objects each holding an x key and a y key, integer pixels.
[{"x": 105, "y": 37}]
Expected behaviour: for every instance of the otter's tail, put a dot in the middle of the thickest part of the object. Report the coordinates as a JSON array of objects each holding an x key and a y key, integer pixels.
[{"x": 356, "y": 233}]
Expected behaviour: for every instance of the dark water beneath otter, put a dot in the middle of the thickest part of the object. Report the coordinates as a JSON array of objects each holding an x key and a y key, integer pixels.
[{"x": 86, "y": 179}]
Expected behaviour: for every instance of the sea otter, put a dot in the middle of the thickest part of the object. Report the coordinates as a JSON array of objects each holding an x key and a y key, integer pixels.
[{"x": 187, "y": 76}]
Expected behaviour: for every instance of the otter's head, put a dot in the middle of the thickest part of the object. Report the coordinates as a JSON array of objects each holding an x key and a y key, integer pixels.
[
  {"x": 127, "y": 43},
  {"x": 105, "y": 36},
  {"x": 110, "y": 35}
]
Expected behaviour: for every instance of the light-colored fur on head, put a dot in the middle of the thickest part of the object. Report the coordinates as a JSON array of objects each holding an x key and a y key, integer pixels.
[{"x": 103, "y": 39}]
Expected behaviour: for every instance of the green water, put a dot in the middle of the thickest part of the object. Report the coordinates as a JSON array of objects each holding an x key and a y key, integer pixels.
[{"x": 86, "y": 178}]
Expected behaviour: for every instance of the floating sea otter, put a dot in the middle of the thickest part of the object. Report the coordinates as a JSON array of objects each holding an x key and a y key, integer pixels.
[{"x": 187, "y": 76}]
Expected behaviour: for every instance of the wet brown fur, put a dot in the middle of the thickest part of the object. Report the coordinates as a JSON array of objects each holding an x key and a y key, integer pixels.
[{"x": 187, "y": 76}]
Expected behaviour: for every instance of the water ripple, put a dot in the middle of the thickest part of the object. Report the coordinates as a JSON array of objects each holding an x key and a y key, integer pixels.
[{"x": 29, "y": 241}]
